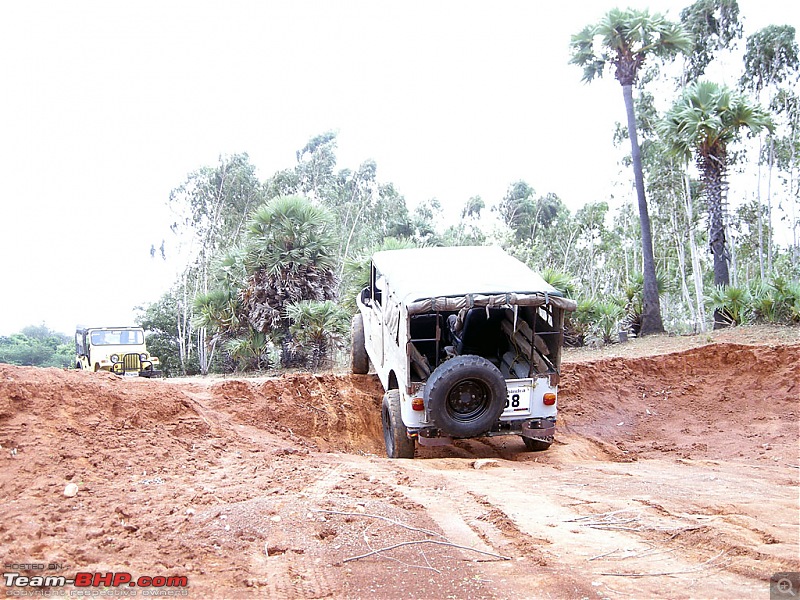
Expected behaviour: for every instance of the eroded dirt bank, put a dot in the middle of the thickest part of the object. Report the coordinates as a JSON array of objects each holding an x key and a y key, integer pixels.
[{"x": 673, "y": 475}]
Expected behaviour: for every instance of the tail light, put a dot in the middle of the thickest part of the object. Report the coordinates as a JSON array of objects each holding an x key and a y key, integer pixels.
[
  {"x": 418, "y": 404},
  {"x": 549, "y": 399}
]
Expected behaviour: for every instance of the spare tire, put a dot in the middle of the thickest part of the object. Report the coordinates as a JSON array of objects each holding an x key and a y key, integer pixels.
[{"x": 465, "y": 396}]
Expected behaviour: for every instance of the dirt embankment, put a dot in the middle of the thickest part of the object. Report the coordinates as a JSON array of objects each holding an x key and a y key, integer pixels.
[{"x": 683, "y": 462}]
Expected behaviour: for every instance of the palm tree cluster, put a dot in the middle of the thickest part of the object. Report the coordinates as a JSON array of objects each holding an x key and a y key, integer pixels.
[
  {"x": 276, "y": 289},
  {"x": 703, "y": 122}
]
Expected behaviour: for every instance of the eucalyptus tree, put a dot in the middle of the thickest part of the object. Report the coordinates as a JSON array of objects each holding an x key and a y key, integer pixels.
[
  {"x": 712, "y": 25},
  {"x": 772, "y": 59},
  {"x": 365, "y": 210},
  {"x": 703, "y": 122},
  {"x": 211, "y": 207},
  {"x": 525, "y": 214},
  {"x": 467, "y": 232},
  {"x": 623, "y": 40}
]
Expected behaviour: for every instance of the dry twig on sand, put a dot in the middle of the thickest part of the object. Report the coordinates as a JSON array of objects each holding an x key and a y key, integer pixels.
[
  {"x": 440, "y": 542},
  {"x": 699, "y": 567},
  {"x": 437, "y": 542}
]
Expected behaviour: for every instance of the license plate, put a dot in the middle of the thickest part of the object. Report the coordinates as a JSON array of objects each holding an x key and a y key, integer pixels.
[
  {"x": 518, "y": 399},
  {"x": 131, "y": 373}
]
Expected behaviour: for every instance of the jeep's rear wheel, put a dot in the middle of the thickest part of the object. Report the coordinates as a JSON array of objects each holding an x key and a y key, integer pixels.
[
  {"x": 466, "y": 396},
  {"x": 359, "y": 361},
  {"x": 537, "y": 445},
  {"x": 395, "y": 434}
]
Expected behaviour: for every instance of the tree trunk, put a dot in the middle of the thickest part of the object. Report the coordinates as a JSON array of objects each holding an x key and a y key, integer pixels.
[
  {"x": 713, "y": 175},
  {"x": 769, "y": 204},
  {"x": 713, "y": 169},
  {"x": 651, "y": 309},
  {"x": 697, "y": 274},
  {"x": 759, "y": 214}
]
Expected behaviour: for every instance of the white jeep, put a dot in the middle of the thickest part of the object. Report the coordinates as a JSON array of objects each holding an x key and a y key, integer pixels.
[{"x": 466, "y": 342}]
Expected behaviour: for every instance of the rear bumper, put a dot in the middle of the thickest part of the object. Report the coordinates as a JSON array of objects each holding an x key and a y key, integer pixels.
[{"x": 539, "y": 428}]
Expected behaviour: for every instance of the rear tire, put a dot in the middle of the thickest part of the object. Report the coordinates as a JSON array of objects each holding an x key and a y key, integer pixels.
[
  {"x": 395, "y": 434},
  {"x": 466, "y": 396},
  {"x": 537, "y": 445},
  {"x": 359, "y": 360}
]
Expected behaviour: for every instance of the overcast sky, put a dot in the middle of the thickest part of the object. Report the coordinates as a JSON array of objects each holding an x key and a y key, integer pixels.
[{"x": 107, "y": 106}]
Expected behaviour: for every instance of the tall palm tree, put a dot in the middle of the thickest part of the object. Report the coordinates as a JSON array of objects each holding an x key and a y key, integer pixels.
[
  {"x": 625, "y": 38},
  {"x": 703, "y": 122},
  {"x": 290, "y": 257}
]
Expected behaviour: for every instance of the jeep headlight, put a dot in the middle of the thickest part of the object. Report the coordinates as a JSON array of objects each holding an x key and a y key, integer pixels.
[
  {"x": 114, "y": 358},
  {"x": 143, "y": 356}
]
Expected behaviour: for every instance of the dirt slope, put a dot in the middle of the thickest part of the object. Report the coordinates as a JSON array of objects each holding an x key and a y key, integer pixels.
[{"x": 674, "y": 474}]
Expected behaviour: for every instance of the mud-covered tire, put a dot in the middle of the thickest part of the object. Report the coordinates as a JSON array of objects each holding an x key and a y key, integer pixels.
[
  {"x": 537, "y": 445},
  {"x": 359, "y": 360},
  {"x": 395, "y": 434},
  {"x": 465, "y": 396}
]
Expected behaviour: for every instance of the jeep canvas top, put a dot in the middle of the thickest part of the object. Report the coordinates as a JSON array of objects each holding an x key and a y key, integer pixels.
[{"x": 466, "y": 342}]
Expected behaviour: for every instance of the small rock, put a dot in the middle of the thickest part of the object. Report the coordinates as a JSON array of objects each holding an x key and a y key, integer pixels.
[
  {"x": 485, "y": 463},
  {"x": 275, "y": 519},
  {"x": 71, "y": 490}
]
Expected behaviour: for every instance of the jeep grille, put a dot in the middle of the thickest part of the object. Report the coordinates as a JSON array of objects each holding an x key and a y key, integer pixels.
[{"x": 131, "y": 362}]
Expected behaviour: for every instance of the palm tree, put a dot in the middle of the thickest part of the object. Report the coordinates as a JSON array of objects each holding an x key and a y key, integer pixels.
[
  {"x": 317, "y": 327},
  {"x": 626, "y": 38},
  {"x": 703, "y": 122},
  {"x": 290, "y": 257}
]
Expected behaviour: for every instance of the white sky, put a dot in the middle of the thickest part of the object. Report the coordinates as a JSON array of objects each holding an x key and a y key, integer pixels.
[{"x": 107, "y": 106}]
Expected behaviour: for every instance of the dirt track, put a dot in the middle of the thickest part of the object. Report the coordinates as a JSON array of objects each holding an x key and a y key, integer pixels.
[{"x": 673, "y": 475}]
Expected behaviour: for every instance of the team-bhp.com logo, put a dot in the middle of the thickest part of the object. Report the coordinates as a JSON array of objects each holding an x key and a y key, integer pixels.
[{"x": 17, "y": 584}]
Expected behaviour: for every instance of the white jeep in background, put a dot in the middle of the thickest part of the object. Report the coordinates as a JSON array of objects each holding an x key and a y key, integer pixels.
[{"x": 466, "y": 342}]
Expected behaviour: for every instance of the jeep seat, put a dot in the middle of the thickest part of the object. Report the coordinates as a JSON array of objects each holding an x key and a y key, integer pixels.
[{"x": 480, "y": 333}]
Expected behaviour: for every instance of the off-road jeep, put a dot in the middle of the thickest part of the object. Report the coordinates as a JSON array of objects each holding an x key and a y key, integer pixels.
[
  {"x": 466, "y": 342},
  {"x": 120, "y": 350}
]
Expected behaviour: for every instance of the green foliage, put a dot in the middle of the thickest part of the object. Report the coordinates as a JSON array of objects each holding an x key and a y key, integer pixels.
[
  {"x": 38, "y": 346},
  {"x": 249, "y": 352},
  {"x": 704, "y": 121},
  {"x": 317, "y": 329},
  {"x": 731, "y": 303},
  {"x": 777, "y": 301},
  {"x": 169, "y": 335},
  {"x": 771, "y": 57},
  {"x": 712, "y": 25},
  {"x": 290, "y": 257},
  {"x": 623, "y": 39},
  {"x": 578, "y": 323},
  {"x": 607, "y": 315},
  {"x": 708, "y": 117},
  {"x": 563, "y": 282},
  {"x": 525, "y": 214},
  {"x": 289, "y": 234},
  {"x": 213, "y": 203}
]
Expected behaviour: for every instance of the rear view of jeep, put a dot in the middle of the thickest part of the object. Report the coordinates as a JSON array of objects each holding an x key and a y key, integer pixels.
[{"x": 466, "y": 342}]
